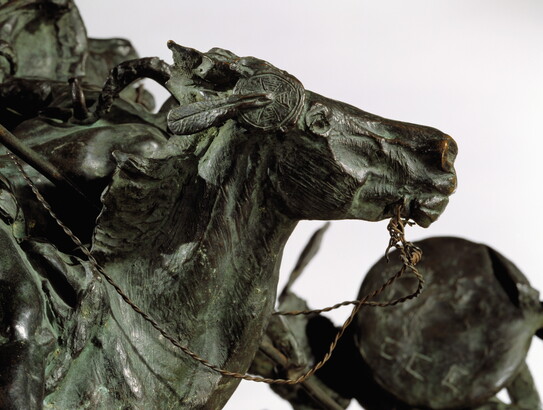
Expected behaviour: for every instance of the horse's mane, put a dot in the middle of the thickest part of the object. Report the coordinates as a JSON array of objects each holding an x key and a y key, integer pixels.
[{"x": 143, "y": 199}]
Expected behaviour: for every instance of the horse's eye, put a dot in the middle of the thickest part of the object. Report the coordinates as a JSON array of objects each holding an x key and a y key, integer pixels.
[{"x": 317, "y": 119}]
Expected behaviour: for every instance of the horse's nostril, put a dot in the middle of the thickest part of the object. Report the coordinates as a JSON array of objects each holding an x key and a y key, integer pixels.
[{"x": 449, "y": 150}]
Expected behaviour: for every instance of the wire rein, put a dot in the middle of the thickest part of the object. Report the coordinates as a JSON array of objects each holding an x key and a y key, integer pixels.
[{"x": 409, "y": 254}]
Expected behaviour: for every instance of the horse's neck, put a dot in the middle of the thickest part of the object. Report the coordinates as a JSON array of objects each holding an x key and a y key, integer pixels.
[
  {"x": 245, "y": 231},
  {"x": 209, "y": 272},
  {"x": 238, "y": 242}
]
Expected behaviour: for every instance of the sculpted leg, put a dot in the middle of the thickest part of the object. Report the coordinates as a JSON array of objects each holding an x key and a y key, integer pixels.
[
  {"x": 522, "y": 392},
  {"x": 23, "y": 336}
]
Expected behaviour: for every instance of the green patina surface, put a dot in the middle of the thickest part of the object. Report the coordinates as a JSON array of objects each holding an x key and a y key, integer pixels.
[{"x": 188, "y": 209}]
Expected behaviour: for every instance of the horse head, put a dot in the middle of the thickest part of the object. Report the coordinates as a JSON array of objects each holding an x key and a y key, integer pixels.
[
  {"x": 198, "y": 202},
  {"x": 331, "y": 160}
]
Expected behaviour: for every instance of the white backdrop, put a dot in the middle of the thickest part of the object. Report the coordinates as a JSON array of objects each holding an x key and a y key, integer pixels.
[{"x": 473, "y": 69}]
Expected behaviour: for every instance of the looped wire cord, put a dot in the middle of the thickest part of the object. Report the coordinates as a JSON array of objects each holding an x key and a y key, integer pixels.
[{"x": 409, "y": 254}]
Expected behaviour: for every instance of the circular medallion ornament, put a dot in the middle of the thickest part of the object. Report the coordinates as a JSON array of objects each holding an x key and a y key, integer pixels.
[{"x": 287, "y": 99}]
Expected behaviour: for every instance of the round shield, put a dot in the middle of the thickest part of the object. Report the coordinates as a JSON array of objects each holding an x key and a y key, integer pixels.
[
  {"x": 285, "y": 92},
  {"x": 462, "y": 339}
]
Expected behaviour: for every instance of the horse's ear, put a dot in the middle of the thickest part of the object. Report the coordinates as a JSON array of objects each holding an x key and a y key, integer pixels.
[
  {"x": 317, "y": 119},
  {"x": 185, "y": 58},
  {"x": 198, "y": 116}
]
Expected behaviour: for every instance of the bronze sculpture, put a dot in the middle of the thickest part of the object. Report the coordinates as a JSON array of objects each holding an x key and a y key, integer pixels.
[
  {"x": 190, "y": 226},
  {"x": 454, "y": 347},
  {"x": 213, "y": 91}
]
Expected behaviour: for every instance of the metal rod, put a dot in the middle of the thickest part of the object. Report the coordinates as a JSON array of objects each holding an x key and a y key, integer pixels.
[{"x": 40, "y": 164}]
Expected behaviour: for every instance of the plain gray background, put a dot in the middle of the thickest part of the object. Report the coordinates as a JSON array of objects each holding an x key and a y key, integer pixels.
[{"x": 472, "y": 68}]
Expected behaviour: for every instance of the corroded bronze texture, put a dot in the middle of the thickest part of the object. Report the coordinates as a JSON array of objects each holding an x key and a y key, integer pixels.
[
  {"x": 464, "y": 339},
  {"x": 188, "y": 209}
]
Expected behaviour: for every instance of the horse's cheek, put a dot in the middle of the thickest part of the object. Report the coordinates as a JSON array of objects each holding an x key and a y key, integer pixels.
[{"x": 313, "y": 186}]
